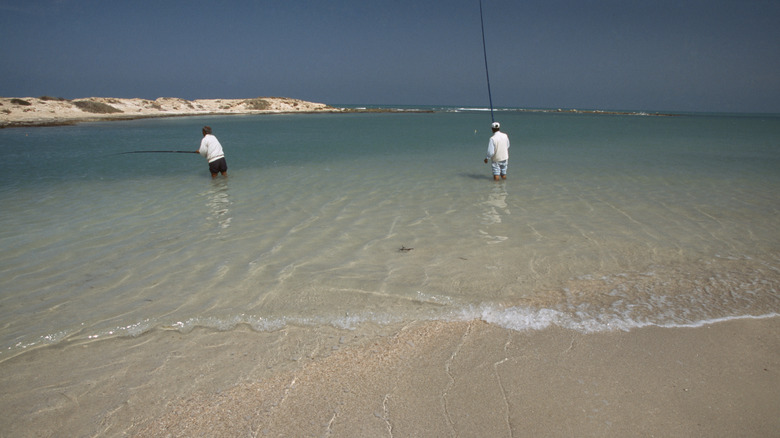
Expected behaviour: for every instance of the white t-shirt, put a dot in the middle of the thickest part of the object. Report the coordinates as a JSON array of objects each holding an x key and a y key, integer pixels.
[
  {"x": 210, "y": 148},
  {"x": 498, "y": 147}
]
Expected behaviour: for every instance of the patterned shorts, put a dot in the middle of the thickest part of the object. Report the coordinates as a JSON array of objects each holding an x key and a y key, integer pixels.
[{"x": 500, "y": 167}]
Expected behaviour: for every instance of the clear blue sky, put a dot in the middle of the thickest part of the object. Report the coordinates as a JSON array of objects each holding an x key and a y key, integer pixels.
[{"x": 698, "y": 55}]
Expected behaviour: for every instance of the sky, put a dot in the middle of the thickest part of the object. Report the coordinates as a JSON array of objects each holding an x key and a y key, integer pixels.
[{"x": 658, "y": 55}]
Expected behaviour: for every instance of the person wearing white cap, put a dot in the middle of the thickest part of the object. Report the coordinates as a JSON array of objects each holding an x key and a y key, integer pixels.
[{"x": 498, "y": 152}]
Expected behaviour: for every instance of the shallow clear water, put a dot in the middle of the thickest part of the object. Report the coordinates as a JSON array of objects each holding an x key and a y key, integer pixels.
[{"x": 605, "y": 222}]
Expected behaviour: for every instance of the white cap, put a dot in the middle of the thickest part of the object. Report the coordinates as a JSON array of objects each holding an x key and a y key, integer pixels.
[{"x": 496, "y": 125}]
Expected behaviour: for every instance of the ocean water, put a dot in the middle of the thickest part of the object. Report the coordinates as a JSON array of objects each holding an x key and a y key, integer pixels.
[{"x": 606, "y": 222}]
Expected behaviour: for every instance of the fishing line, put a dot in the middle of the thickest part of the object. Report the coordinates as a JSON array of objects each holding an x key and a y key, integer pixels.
[{"x": 484, "y": 50}]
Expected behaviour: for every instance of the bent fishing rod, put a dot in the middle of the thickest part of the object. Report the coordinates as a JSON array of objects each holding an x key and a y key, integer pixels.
[{"x": 484, "y": 51}]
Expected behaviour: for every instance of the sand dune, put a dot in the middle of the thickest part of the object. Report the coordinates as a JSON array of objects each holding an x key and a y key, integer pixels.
[{"x": 45, "y": 111}]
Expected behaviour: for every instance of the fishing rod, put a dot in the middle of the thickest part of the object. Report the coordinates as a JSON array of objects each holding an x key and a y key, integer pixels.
[
  {"x": 484, "y": 51},
  {"x": 158, "y": 152}
]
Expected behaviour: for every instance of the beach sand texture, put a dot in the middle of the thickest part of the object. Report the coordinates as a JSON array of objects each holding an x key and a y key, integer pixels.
[
  {"x": 424, "y": 379},
  {"x": 31, "y": 111}
]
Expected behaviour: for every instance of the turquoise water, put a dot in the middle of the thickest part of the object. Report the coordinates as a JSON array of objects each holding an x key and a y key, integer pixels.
[{"x": 605, "y": 222}]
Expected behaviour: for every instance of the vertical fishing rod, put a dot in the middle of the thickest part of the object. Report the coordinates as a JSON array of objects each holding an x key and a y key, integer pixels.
[{"x": 484, "y": 50}]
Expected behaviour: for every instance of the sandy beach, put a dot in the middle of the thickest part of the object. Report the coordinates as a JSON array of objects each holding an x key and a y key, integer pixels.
[
  {"x": 47, "y": 111},
  {"x": 422, "y": 379}
]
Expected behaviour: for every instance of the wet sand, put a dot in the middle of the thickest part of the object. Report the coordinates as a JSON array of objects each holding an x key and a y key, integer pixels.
[{"x": 422, "y": 379}]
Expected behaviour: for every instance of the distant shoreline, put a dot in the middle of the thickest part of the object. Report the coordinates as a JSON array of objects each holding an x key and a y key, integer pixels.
[{"x": 52, "y": 111}]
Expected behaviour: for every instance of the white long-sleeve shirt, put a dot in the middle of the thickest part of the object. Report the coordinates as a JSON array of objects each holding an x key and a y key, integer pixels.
[
  {"x": 498, "y": 147},
  {"x": 210, "y": 148}
]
